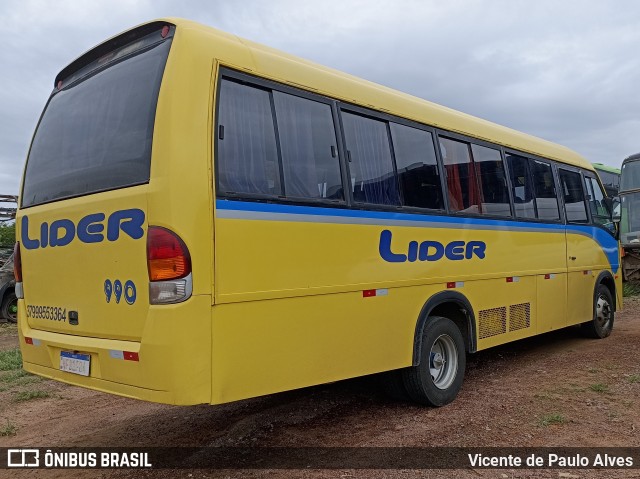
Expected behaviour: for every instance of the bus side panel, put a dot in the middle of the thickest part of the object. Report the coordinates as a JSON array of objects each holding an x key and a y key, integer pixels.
[
  {"x": 552, "y": 302},
  {"x": 300, "y": 303},
  {"x": 261, "y": 347},
  {"x": 262, "y": 259}
]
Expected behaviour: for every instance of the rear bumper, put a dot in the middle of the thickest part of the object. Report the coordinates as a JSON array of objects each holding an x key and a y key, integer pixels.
[
  {"x": 174, "y": 365},
  {"x": 125, "y": 390}
]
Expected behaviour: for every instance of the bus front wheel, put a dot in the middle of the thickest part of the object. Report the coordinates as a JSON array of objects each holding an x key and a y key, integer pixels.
[
  {"x": 438, "y": 378},
  {"x": 602, "y": 323}
]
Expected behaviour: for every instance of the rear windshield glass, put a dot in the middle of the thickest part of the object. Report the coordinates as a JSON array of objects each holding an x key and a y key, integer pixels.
[{"x": 95, "y": 135}]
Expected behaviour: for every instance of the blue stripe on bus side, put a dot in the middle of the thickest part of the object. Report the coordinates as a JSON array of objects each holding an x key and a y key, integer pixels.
[{"x": 280, "y": 212}]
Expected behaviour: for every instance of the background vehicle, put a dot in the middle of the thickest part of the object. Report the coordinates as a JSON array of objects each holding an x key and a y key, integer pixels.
[
  {"x": 630, "y": 217},
  {"x": 8, "y": 298},
  {"x": 610, "y": 178},
  {"x": 205, "y": 219}
]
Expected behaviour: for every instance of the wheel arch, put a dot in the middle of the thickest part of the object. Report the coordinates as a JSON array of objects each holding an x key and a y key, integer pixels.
[
  {"x": 454, "y": 306},
  {"x": 605, "y": 278}
]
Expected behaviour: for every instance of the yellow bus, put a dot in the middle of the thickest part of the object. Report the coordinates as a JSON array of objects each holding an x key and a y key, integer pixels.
[{"x": 204, "y": 219}]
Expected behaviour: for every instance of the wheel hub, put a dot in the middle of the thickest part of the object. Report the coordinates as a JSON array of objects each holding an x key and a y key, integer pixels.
[{"x": 443, "y": 361}]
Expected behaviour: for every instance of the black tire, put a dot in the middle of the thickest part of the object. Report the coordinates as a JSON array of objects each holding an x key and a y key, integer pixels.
[
  {"x": 393, "y": 385},
  {"x": 9, "y": 309},
  {"x": 443, "y": 348},
  {"x": 601, "y": 325}
]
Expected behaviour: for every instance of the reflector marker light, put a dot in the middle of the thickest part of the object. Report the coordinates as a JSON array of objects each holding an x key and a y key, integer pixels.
[
  {"x": 126, "y": 355},
  {"x": 455, "y": 284},
  {"x": 28, "y": 340},
  {"x": 32, "y": 341},
  {"x": 131, "y": 356},
  {"x": 549, "y": 276},
  {"x": 369, "y": 293},
  {"x": 513, "y": 279},
  {"x": 588, "y": 271}
]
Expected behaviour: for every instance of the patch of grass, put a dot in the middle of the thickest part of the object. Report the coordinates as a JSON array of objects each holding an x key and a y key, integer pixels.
[
  {"x": 634, "y": 378},
  {"x": 8, "y": 329},
  {"x": 544, "y": 395},
  {"x": 550, "y": 419},
  {"x": 29, "y": 395},
  {"x": 9, "y": 429},
  {"x": 599, "y": 388},
  {"x": 630, "y": 289},
  {"x": 18, "y": 377},
  {"x": 10, "y": 360}
]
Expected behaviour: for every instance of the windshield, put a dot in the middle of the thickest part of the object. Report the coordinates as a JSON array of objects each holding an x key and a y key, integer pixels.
[
  {"x": 630, "y": 218},
  {"x": 630, "y": 176},
  {"x": 95, "y": 134}
]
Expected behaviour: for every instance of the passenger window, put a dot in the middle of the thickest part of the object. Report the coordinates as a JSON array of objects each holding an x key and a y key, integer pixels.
[
  {"x": 599, "y": 210},
  {"x": 309, "y": 148},
  {"x": 417, "y": 167},
  {"x": 462, "y": 187},
  {"x": 545, "y": 190},
  {"x": 573, "y": 193},
  {"x": 373, "y": 178},
  {"x": 247, "y": 153},
  {"x": 492, "y": 181},
  {"x": 522, "y": 187}
]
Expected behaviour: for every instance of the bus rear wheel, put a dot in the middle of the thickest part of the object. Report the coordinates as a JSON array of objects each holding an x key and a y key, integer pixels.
[
  {"x": 9, "y": 308},
  {"x": 438, "y": 378},
  {"x": 602, "y": 323}
]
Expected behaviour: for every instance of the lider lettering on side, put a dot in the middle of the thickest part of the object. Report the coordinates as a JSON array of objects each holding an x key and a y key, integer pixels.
[
  {"x": 90, "y": 229},
  {"x": 430, "y": 250}
]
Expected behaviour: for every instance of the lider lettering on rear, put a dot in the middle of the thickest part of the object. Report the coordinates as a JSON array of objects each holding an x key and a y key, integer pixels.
[{"x": 90, "y": 229}]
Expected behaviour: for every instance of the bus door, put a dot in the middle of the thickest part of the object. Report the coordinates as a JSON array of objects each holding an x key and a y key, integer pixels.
[{"x": 582, "y": 257}]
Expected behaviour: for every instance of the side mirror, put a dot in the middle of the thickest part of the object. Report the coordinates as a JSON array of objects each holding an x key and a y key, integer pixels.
[{"x": 615, "y": 209}]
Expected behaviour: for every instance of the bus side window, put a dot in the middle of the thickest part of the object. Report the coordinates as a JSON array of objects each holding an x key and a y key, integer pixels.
[
  {"x": 522, "y": 186},
  {"x": 247, "y": 154},
  {"x": 492, "y": 180},
  {"x": 545, "y": 190},
  {"x": 573, "y": 193},
  {"x": 307, "y": 144},
  {"x": 599, "y": 211},
  {"x": 417, "y": 167},
  {"x": 372, "y": 174},
  {"x": 462, "y": 186}
]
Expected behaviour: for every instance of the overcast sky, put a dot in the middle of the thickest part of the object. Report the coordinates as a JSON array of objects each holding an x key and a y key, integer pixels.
[{"x": 566, "y": 71}]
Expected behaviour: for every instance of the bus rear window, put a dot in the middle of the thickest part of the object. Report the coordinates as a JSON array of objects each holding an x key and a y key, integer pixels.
[{"x": 95, "y": 134}]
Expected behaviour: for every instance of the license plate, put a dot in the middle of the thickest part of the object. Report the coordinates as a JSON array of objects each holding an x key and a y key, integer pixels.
[{"x": 76, "y": 363}]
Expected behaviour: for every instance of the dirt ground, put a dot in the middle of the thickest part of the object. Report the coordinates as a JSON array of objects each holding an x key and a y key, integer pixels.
[{"x": 556, "y": 390}]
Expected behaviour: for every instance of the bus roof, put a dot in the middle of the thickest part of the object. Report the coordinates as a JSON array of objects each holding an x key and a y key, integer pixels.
[
  {"x": 631, "y": 158},
  {"x": 240, "y": 54},
  {"x": 610, "y": 169}
]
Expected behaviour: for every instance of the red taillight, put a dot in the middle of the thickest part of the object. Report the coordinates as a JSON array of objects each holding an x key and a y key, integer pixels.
[
  {"x": 17, "y": 263},
  {"x": 167, "y": 255}
]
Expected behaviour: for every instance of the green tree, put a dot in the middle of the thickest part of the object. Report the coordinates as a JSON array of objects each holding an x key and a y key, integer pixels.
[{"x": 7, "y": 235}]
